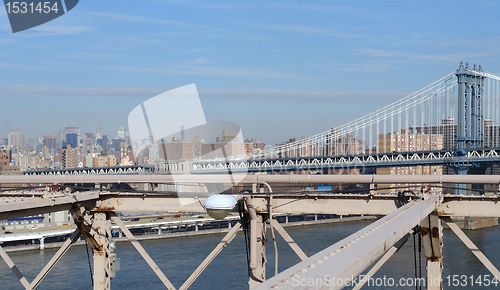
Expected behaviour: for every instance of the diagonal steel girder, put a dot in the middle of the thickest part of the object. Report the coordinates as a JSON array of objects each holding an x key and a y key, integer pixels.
[{"x": 338, "y": 264}]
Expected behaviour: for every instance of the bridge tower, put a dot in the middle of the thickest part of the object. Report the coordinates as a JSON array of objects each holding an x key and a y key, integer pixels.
[{"x": 470, "y": 131}]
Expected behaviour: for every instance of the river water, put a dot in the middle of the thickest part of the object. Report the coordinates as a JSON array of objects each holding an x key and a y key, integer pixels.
[{"x": 178, "y": 257}]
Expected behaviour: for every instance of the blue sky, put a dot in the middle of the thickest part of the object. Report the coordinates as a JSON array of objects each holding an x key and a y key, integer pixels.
[{"x": 278, "y": 69}]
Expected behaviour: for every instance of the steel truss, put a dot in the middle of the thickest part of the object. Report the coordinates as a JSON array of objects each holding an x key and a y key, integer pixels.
[{"x": 400, "y": 159}]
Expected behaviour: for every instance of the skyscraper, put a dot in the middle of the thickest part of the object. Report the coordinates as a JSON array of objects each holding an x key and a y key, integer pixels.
[
  {"x": 98, "y": 134},
  {"x": 121, "y": 132},
  {"x": 50, "y": 140},
  {"x": 72, "y": 139},
  {"x": 73, "y": 130},
  {"x": 16, "y": 138}
]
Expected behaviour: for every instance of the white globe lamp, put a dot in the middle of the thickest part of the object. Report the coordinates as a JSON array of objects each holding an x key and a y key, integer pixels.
[{"x": 218, "y": 206}]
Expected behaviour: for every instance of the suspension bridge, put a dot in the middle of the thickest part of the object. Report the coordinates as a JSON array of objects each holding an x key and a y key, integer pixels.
[
  {"x": 452, "y": 122},
  {"x": 415, "y": 131}
]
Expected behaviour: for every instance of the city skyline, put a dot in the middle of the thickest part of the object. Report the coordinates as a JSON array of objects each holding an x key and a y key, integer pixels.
[{"x": 256, "y": 64}]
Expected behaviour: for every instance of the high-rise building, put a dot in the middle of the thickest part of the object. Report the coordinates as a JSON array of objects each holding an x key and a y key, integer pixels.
[
  {"x": 121, "y": 132},
  {"x": 104, "y": 161},
  {"x": 61, "y": 139},
  {"x": 448, "y": 129},
  {"x": 50, "y": 141},
  {"x": 98, "y": 134},
  {"x": 72, "y": 139},
  {"x": 7, "y": 169},
  {"x": 491, "y": 134},
  {"x": 16, "y": 138},
  {"x": 69, "y": 157},
  {"x": 73, "y": 130},
  {"x": 405, "y": 141},
  {"x": 45, "y": 153},
  {"x": 408, "y": 142},
  {"x": 88, "y": 141},
  {"x": 103, "y": 142}
]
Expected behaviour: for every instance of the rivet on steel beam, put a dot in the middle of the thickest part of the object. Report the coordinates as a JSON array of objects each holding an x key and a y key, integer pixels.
[
  {"x": 326, "y": 257},
  {"x": 286, "y": 281},
  {"x": 332, "y": 254},
  {"x": 337, "y": 250},
  {"x": 303, "y": 271},
  {"x": 319, "y": 262},
  {"x": 312, "y": 266},
  {"x": 295, "y": 276},
  {"x": 275, "y": 286}
]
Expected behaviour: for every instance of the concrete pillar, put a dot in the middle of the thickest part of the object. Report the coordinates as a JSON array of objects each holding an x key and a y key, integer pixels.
[
  {"x": 159, "y": 230},
  {"x": 196, "y": 227},
  {"x": 315, "y": 217},
  {"x": 286, "y": 217},
  {"x": 42, "y": 243}
]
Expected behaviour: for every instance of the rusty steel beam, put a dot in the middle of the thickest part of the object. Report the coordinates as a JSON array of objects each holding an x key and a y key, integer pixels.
[
  {"x": 282, "y": 203},
  {"x": 345, "y": 204},
  {"x": 30, "y": 206},
  {"x": 474, "y": 206}
]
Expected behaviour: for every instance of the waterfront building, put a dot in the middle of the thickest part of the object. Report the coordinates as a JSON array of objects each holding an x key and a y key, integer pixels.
[{"x": 407, "y": 141}]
